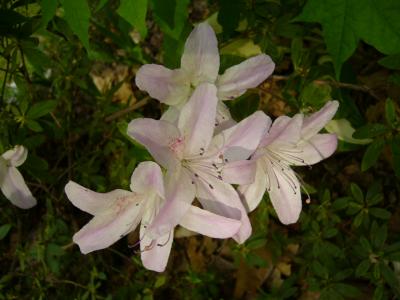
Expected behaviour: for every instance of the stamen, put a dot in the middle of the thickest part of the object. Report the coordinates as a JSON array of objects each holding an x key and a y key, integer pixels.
[{"x": 162, "y": 245}]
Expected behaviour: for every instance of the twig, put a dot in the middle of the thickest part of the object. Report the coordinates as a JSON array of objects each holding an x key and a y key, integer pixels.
[
  {"x": 55, "y": 120},
  {"x": 127, "y": 110},
  {"x": 350, "y": 86},
  {"x": 3, "y": 88}
]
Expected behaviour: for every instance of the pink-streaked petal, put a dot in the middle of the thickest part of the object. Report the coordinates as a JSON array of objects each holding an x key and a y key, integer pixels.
[
  {"x": 317, "y": 148},
  {"x": 146, "y": 178},
  {"x": 200, "y": 59},
  {"x": 221, "y": 198},
  {"x": 315, "y": 122},
  {"x": 180, "y": 194},
  {"x": 284, "y": 130},
  {"x": 161, "y": 139},
  {"x": 253, "y": 193},
  {"x": 239, "y": 172},
  {"x": 223, "y": 120},
  {"x": 284, "y": 193},
  {"x": 155, "y": 253},
  {"x": 14, "y": 188},
  {"x": 93, "y": 202},
  {"x": 209, "y": 224},
  {"x": 110, "y": 225},
  {"x": 197, "y": 117},
  {"x": 248, "y": 74},
  {"x": 16, "y": 156},
  {"x": 242, "y": 139},
  {"x": 167, "y": 86}
]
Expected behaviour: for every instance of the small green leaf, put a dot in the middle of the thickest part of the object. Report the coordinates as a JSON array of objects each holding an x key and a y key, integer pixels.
[
  {"x": 391, "y": 278},
  {"x": 346, "y": 290},
  {"x": 395, "y": 145},
  {"x": 379, "y": 292},
  {"x": 365, "y": 244},
  {"x": 372, "y": 154},
  {"x": 391, "y": 62},
  {"x": 229, "y": 15},
  {"x": 4, "y": 229},
  {"x": 362, "y": 268},
  {"x": 165, "y": 10},
  {"x": 379, "y": 213},
  {"x": 135, "y": 13},
  {"x": 77, "y": 15},
  {"x": 48, "y": 10},
  {"x": 390, "y": 112},
  {"x": 41, "y": 108},
  {"x": 341, "y": 203},
  {"x": 357, "y": 193},
  {"x": 33, "y": 125},
  {"x": 370, "y": 131}
]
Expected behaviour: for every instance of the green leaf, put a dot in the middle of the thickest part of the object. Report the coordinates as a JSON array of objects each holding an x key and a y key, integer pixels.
[
  {"x": 41, "y": 108},
  {"x": 229, "y": 15},
  {"x": 395, "y": 145},
  {"x": 345, "y": 22},
  {"x": 135, "y": 13},
  {"x": 77, "y": 15},
  {"x": 372, "y": 154},
  {"x": 391, "y": 62},
  {"x": 165, "y": 10},
  {"x": 346, "y": 290},
  {"x": 357, "y": 193},
  {"x": 370, "y": 131},
  {"x": 315, "y": 94},
  {"x": 37, "y": 59},
  {"x": 380, "y": 213},
  {"x": 378, "y": 235},
  {"x": 379, "y": 292},
  {"x": 341, "y": 203},
  {"x": 390, "y": 113},
  {"x": 48, "y": 10},
  {"x": 33, "y": 125},
  {"x": 4, "y": 229},
  {"x": 391, "y": 278},
  {"x": 362, "y": 268}
]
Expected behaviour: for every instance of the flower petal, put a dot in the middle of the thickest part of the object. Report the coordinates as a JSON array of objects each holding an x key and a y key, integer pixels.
[
  {"x": 171, "y": 115},
  {"x": 157, "y": 136},
  {"x": 284, "y": 130},
  {"x": 315, "y": 122},
  {"x": 209, "y": 224},
  {"x": 90, "y": 201},
  {"x": 248, "y": 74},
  {"x": 317, "y": 148},
  {"x": 221, "y": 198},
  {"x": 154, "y": 252},
  {"x": 242, "y": 139},
  {"x": 16, "y": 156},
  {"x": 180, "y": 193},
  {"x": 239, "y": 172},
  {"x": 167, "y": 86},
  {"x": 196, "y": 121},
  {"x": 223, "y": 119},
  {"x": 147, "y": 177},
  {"x": 200, "y": 59},
  {"x": 284, "y": 193},
  {"x": 14, "y": 188},
  {"x": 253, "y": 193},
  {"x": 110, "y": 225}
]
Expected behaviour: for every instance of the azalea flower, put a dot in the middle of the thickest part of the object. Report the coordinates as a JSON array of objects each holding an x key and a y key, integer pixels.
[
  {"x": 199, "y": 64},
  {"x": 199, "y": 164},
  {"x": 119, "y": 212},
  {"x": 12, "y": 183},
  {"x": 289, "y": 142}
]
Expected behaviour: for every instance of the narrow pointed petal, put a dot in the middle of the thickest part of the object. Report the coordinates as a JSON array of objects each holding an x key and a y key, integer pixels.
[
  {"x": 158, "y": 137},
  {"x": 284, "y": 130},
  {"x": 110, "y": 225},
  {"x": 317, "y": 148},
  {"x": 315, "y": 122},
  {"x": 147, "y": 177},
  {"x": 239, "y": 172},
  {"x": 154, "y": 252},
  {"x": 209, "y": 224},
  {"x": 253, "y": 193},
  {"x": 285, "y": 194},
  {"x": 197, "y": 117},
  {"x": 242, "y": 139},
  {"x": 14, "y": 188},
  {"x": 221, "y": 198},
  {"x": 92, "y": 202},
  {"x": 16, "y": 156},
  {"x": 167, "y": 86},
  {"x": 200, "y": 59},
  {"x": 248, "y": 74},
  {"x": 180, "y": 194}
]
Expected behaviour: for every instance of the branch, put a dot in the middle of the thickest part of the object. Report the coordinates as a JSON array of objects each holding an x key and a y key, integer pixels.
[{"x": 127, "y": 110}]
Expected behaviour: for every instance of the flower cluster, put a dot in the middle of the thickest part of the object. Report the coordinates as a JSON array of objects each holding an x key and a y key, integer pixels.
[{"x": 200, "y": 152}]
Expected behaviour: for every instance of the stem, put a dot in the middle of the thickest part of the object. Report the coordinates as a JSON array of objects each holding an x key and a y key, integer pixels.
[
  {"x": 3, "y": 88},
  {"x": 127, "y": 110}
]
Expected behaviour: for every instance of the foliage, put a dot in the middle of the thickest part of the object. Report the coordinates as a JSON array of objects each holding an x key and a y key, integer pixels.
[{"x": 68, "y": 66}]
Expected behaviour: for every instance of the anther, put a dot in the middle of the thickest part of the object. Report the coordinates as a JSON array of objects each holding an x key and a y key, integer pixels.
[{"x": 211, "y": 187}]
